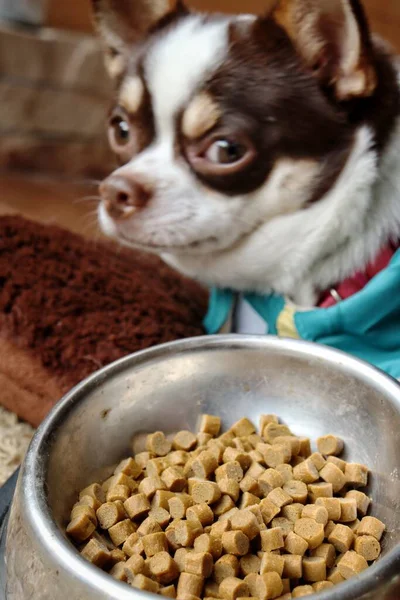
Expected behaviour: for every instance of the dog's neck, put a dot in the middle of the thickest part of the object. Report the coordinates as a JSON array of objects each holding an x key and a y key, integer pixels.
[{"x": 300, "y": 254}]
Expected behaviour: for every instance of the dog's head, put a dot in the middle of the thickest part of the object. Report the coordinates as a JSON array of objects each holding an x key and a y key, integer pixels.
[{"x": 221, "y": 123}]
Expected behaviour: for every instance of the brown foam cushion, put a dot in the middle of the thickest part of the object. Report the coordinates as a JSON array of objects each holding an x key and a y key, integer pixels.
[{"x": 69, "y": 306}]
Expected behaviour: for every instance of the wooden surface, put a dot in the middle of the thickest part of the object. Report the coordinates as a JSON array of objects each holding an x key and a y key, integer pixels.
[
  {"x": 68, "y": 204},
  {"x": 384, "y": 14}
]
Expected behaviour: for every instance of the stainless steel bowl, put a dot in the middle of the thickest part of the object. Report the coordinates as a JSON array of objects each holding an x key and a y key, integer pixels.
[{"x": 315, "y": 390}]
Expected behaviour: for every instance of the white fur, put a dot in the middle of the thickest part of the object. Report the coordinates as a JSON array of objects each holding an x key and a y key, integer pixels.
[{"x": 264, "y": 241}]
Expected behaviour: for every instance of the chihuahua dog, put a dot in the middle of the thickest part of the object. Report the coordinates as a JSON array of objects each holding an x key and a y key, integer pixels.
[{"x": 257, "y": 154}]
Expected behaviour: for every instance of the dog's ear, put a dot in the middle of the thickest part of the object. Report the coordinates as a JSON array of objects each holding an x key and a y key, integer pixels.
[
  {"x": 122, "y": 23},
  {"x": 333, "y": 39}
]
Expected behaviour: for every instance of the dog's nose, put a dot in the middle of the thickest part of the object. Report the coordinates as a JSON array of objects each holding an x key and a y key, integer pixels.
[{"x": 122, "y": 196}]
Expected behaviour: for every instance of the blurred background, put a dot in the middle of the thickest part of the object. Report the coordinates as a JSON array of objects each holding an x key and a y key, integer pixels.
[{"x": 54, "y": 97}]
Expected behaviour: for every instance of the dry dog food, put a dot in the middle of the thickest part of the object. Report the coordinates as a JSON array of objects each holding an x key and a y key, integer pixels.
[{"x": 230, "y": 516}]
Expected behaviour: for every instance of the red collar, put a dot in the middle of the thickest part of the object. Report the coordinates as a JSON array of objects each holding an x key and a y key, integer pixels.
[{"x": 357, "y": 282}]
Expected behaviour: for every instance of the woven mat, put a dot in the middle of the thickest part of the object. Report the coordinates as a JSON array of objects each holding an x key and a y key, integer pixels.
[{"x": 14, "y": 441}]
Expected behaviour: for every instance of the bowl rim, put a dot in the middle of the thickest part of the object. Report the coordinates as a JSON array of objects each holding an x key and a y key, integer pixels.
[{"x": 33, "y": 473}]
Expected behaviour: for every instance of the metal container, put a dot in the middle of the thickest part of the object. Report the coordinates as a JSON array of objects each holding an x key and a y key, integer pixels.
[{"x": 313, "y": 389}]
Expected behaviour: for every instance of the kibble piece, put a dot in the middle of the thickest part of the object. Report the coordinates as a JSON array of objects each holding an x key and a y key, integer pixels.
[
  {"x": 120, "y": 532},
  {"x": 294, "y": 544},
  {"x": 272, "y": 563},
  {"x": 83, "y": 509},
  {"x": 306, "y": 472},
  {"x": 226, "y": 566},
  {"x": 292, "y": 440},
  {"x": 286, "y": 471},
  {"x": 180, "y": 558},
  {"x": 135, "y": 565},
  {"x": 189, "y": 583},
  {"x": 341, "y": 464},
  {"x": 187, "y": 531},
  {"x": 332, "y": 505},
  {"x": 334, "y": 576},
  {"x": 266, "y": 419},
  {"x": 96, "y": 553},
  {"x": 208, "y": 543},
  {"x": 314, "y": 569},
  {"x": 210, "y": 424},
  {"x": 161, "y": 499},
  {"x": 321, "y": 586},
  {"x": 133, "y": 545},
  {"x": 232, "y": 588},
  {"x": 341, "y": 537},
  {"x": 272, "y": 539},
  {"x": 229, "y": 514},
  {"x": 274, "y": 430},
  {"x": 154, "y": 543},
  {"x": 311, "y": 531},
  {"x": 137, "y": 506},
  {"x": 168, "y": 591},
  {"x": 174, "y": 479},
  {"x": 142, "y": 458},
  {"x": 230, "y": 487},
  {"x": 161, "y": 516},
  {"x": 118, "y": 492},
  {"x": 229, "y": 470},
  {"x": 367, "y": 546},
  {"x": 371, "y": 526},
  {"x": 293, "y": 566},
  {"x": 203, "y": 439},
  {"x": 305, "y": 447},
  {"x": 320, "y": 490},
  {"x": 351, "y": 564},
  {"x": 269, "y": 510},
  {"x": 268, "y": 586},
  {"x": 297, "y": 490},
  {"x": 327, "y": 552},
  {"x": 251, "y": 485},
  {"x": 243, "y": 427},
  {"x": 292, "y": 512},
  {"x": 129, "y": 467},
  {"x": 89, "y": 501},
  {"x": 148, "y": 526},
  {"x": 117, "y": 555},
  {"x": 81, "y": 528},
  {"x": 158, "y": 444},
  {"x": 356, "y": 474},
  {"x": 118, "y": 571},
  {"x": 354, "y": 525},
  {"x": 256, "y": 469},
  {"x": 362, "y": 501},
  {"x": 218, "y": 528},
  {"x": 329, "y": 528},
  {"x": 276, "y": 455},
  {"x": 149, "y": 485},
  {"x": 178, "y": 458},
  {"x": 211, "y": 589},
  {"x": 184, "y": 440},
  {"x": 231, "y": 454},
  {"x": 302, "y": 590},
  {"x": 332, "y": 474},
  {"x": 94, "y": 491},
  {"x": 223, "y": 505},
  {"x": 316, "y": 512},
  {"x": 110, "y": 513},
  {"x": 200, "y": 512},
  {"x": 330, "y": 445},
  {"x": 280, "y": 497},
  {"x": 206, "y": 492},
  {"x": 204, "y": 465},
  {"x": 199, "y": 563},
  {"x": 156, "y": 466},
  {"x": 270, "y": 480},
  {"x": 318, "y": 460},
  {"x": 246, "y": 522},
  {"x": 227, "y": 438},
  {"x": 348, "y": 510},
  {"x": 248, "y": 500},
  {"x": 235, "y": 542},
  {"x": 141, "y": 582},
  {"x": 283, "y": 524},
  {"x": 178, "y": 505},
  {"x": 250, "y": 563}
]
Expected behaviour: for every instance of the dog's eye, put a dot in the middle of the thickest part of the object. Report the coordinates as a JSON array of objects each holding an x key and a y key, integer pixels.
[
  {"x": 225, "y": 152},
  {"x": 120, "y": 131}
]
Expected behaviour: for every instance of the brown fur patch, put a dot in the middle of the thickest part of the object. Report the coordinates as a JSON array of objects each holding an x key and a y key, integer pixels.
[{"x": 200, "y": 116}]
